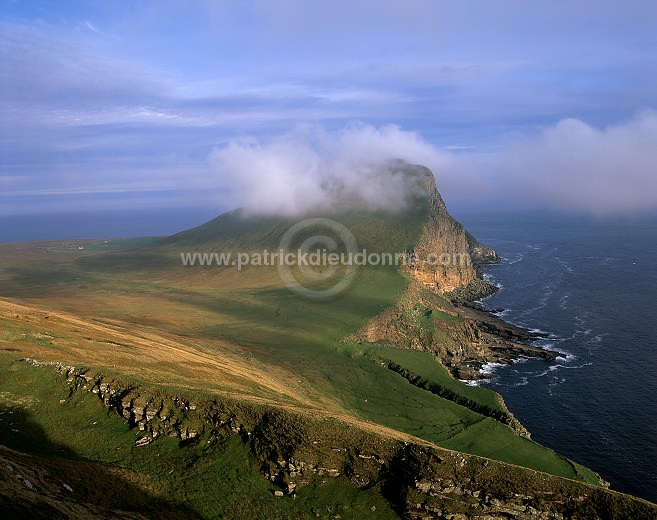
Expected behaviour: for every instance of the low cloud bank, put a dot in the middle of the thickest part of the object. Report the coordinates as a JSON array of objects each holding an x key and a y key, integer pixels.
[
  {"x": 570, "y": 166},
  {"x": 575, "y": 167},
  {"x": 311, "y": 168}
]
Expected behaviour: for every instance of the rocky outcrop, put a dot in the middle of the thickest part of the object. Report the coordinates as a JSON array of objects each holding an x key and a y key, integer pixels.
[
  {"x": 445, "y": 262},
  {"x": 293, "y": 450},
  {"x": 462, "y": 335},
  {"x": 446, "y": 256}
]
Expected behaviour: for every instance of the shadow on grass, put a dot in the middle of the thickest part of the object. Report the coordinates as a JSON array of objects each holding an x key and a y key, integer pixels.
[{"x": 27, "y": 450}]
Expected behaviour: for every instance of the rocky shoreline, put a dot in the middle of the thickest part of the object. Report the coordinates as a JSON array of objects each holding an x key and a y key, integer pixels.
[
  {"x": 294, "y": 450},
  {"x": 506, "y": 342}
]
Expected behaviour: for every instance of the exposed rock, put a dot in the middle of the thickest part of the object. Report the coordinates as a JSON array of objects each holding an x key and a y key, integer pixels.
[
  {"x": 429, "y": 482},
  {"x": 138, "y": 413},
  {"x": 143, "y": 441},
  {"x": 446, "y": 255}
]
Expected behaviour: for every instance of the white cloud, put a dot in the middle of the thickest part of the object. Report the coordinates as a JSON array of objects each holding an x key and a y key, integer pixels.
[
  {"x": 570, "y": 166},
  {"x": 576, "y": 167},
  {"x": 311, "y": 168}
]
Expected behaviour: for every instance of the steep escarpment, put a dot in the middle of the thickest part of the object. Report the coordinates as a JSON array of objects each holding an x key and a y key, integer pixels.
[
  {"x": 463, "y": 338},
  {"x": 437, "y": 313},
  {"x": 294, "y": 450},
  {"x": 446, "y": 257},
  {"x": 422, "y": 320}
]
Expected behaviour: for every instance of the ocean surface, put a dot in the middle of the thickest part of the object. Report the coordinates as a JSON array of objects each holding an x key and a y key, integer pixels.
[
  {"x": 592, "y": 286},
  {"x": 95, "y": 224}
]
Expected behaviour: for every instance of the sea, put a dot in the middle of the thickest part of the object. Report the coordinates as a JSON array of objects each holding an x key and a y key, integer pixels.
[
  {"x": 92, "y": 224},
  {"x": 591, "y": 285}
]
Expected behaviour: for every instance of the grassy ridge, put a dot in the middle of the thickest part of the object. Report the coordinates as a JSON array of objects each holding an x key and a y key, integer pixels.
[
  {"x": 276, "y": 328},
  {"x": 215, "y": 478},
  {"x": 430, "y": 369},
  {"x": 148, "y": 287},
  {"x": 219, "y": 475}
]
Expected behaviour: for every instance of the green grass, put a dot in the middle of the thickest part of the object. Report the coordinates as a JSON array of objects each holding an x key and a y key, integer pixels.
[
  {"x": 305, "y": 337},
  {"x": 118, "y": 244},
  {"x": 253, "y": 309},
  {"x": 426, "y": 366},
  {"x": 378, "y": 394},
  {"x": 215, "y": 478},
  {"x": 218, "y": 477}
]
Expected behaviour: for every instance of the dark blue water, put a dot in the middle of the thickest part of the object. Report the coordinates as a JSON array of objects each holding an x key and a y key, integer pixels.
[
  {"x": 592, "y": 285},
  {"x": 97, "y": 224}
]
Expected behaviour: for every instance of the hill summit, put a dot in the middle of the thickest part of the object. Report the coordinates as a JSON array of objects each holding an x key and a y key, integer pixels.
[
  {"x": 217, "y": 391},
  {"x": 442, "y": 255}
]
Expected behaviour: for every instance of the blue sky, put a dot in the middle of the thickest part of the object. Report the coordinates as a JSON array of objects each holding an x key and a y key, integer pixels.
[{"x": 133, "y": 105}]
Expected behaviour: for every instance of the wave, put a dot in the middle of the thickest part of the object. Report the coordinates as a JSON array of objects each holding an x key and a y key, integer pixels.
[
  {"x": 561, "y": 339},
  {"x": 581, "y": 319},
  {"x": 597, "y": 338},
  {"x": 554, "y": 368},
  {"x": 549, "y": 291},
  {"x": 556, "y": 382},
  {"x": 489, "y": 368},
  {"x": 489, "y": 278},
  {"x": 519, "y": 258},
  {"x": 590, "y": 363},
  {"x": 520, "y": 360},
  {"x": 566, "y": 265}
]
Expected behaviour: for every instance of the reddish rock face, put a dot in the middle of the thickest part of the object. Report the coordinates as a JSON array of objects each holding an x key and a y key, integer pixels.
[{"x": 446, "y": 255}]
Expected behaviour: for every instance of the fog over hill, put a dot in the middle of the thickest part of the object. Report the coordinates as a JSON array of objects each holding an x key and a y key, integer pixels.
[
  {"x": 310, "y": 168},
  {"x": 574, "y": 167}
]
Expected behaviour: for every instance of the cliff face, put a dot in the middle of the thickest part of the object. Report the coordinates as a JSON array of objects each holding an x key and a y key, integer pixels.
[
  {"x": 456, "y": 341},
  {"x": 443, "y": 264},
  {"x": 446, "y": 257},
  {"x": 294, "y": 451}
]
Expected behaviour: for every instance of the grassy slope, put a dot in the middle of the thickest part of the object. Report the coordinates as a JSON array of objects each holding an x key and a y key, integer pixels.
[
  {"x": 92, "y": 451},
  {"x": 215, "y": 478},
  {"x": 274, "y": 328}
]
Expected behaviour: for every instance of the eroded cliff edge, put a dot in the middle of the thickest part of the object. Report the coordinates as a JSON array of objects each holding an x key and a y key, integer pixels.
[
  {"x": 293, "y": 450},
  {"x": 446, "y": 258},
  {"x": 439, "y": 314}
]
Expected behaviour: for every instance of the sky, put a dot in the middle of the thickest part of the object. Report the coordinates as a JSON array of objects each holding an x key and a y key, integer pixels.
[{"x": 207, "y": 105}]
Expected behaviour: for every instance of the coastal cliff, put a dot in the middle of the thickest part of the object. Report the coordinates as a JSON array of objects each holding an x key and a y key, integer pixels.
[
  {"x": 438, "y": 313},
  {"x": 446, "y": 257},
  {"x": 295, "y": 452},
  {"x": 279, "y": 404}
]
